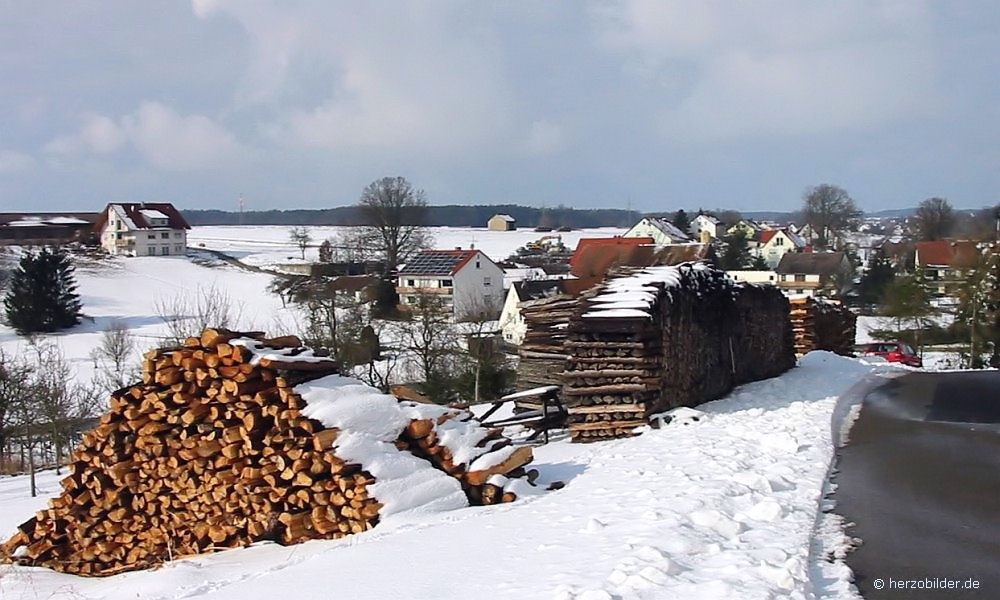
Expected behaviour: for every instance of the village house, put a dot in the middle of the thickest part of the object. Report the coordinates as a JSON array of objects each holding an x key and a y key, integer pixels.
[
  {"x": 46, "y": 229},
  {"x": 467, "y": 282},
  {"x": 946, "y": 264},
  {"x": 748, "y": 227},
  {"x": 758, "y": 277},
  {"x": 812, "y": 273},
  {"x": 512, "y": 323},
  {"x": 149, "y": 229},
  {"x": 501, "y": 223},
  {"x": 661, "y": 230},
  {"x": 705, "y": 228},
  {"x": 773, "y": 244}
]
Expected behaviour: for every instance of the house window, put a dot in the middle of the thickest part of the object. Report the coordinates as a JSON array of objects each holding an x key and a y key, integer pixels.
[
  {"x": 165, "y": 250},
  {"x": 779, "y": 241},
  {"x": 477, "y": 264},
  {"x": 800, "y": 277},
  {"x": 177, "y": 234},
  {"x": 487, "y": 281},
  {"x": 151, "y": 251},
  {"x": 799, "y": 291},
  {"x": 411, "y": 283},
  {"x": 446, "y": 283},
  {"x": 165, "y": 235},
  {"x": 151, "y": 236},
  {"x": 784, "y": 278},
  {"x": 178, "y": 248}
]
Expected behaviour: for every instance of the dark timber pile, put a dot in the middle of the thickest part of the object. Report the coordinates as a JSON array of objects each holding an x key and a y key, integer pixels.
[
  {"x": 212, "y": 450},
  {"x": 821, "y": 324},
  {"x": 542, "y": 355},
  {"x": 657, "y": 338}
]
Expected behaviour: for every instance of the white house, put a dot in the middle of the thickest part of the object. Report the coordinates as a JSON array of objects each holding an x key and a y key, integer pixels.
[
  {"x": 150, "y": 229},
  {"x": 661, "y": 230},
  {"x": 772, "y": 244},
  {"x": 512, "y": 324},
  {"x": 749, "y": 227},
  {"x": 758, "y": 277},
  {"x": 468, "y": 283},
  {"x": 704, "y": 226}
]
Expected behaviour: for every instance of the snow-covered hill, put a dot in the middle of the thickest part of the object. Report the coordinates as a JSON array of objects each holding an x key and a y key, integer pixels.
[{"x": 719, "y": 503}]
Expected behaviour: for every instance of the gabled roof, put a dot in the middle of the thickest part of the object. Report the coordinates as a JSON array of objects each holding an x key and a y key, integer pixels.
[
  {"x": 710, "y": 218},
  {"x": 507, "y": 218},
  {"x": 766, "y": 235},
  {"x": 949, "y": 253},
  {"x": 138, "y": 216},
  {"x": 597, "y": 260},
  {"x": 668, "y": 228},
  {"x": 811, "y": 263},
  {"x": 438, "y": 262},
  {"x": 593, "y": 256}
]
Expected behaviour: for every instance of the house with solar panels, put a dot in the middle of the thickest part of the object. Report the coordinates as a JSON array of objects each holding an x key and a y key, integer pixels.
[
  {"x": 149, "y": 229},
  {"x": 467, "y": 282}
]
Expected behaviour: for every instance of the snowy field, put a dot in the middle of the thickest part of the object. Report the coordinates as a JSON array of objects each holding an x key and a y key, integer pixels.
[
  {"x": 267, "y": 245},
  {"x": 719, "y": 503}
]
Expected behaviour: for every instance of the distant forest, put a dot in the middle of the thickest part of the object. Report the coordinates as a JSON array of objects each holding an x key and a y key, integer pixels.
[{"x": 448, "y": 216}]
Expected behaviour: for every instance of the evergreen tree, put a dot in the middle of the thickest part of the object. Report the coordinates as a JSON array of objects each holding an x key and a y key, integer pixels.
[
  {"x": 874, "y": 281},
  {"x": 980, "y": 310},
  {"x": 759, "y": 264},
  {"x": 42, "y": 294},
  {"x": 681, "y": 220},
  {"x": 908, "y": 302},
  {"x": 326, "y": 252},
  {"x": 736, "y": 252}
]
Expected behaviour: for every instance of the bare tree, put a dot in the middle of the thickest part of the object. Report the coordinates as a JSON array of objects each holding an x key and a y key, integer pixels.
[
  {"x": 934, "y": 220},
  {"x": 301, "y": 237},
  {"x": 828, "y": 209},
  {"x": 15, "y": 384},
  {"x": 188, "y": 313},
  {"x": 114, "y": 358},
  {"x": 393, "y": 213},
  {"x": 430, "y": 337}
]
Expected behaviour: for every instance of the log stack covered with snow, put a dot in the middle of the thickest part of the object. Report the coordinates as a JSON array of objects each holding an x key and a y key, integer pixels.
[
  {"x": 821, "y": 324},
  {"x": 657, "y": 338},
  {"x": 542, "y": 355},
  {"x": 234, "y": 438}
]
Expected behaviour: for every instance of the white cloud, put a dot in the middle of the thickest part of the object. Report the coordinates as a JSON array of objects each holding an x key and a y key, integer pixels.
[
  {"x": 544, "y": 138},
  {"x": 776, "y": 68},
  {"x": 12, "y": 161},
  {"x": 165, "y": 139}
]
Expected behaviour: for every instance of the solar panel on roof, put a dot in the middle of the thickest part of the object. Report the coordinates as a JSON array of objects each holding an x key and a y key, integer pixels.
[{"x": 432, "y": 263}]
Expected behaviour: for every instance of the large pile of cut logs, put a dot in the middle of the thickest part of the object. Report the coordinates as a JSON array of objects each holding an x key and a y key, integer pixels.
[
  {"x": 822, "y": 324},
  {"x": 657, "y": 338},
  {"x": 542, "y": 355},
  {"x": 213, "y": 450}
]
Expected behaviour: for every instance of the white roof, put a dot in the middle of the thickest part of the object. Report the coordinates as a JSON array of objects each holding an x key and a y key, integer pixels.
[
  {"x": 120, "y": 211},
  {"x": 153, "y": 214},
  {"x": 66, "y": 221},
  {"x": 668, "y": 228},
  {"x": 507, "y": 218},
  {"x": 710, "y": 218}
]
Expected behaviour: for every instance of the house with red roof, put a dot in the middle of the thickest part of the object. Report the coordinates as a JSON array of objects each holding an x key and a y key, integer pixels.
[
  {"x": 773, "y": 244},
  {"x": 946, "y": 263},
  {"x": 467, "y": 283},
  {"x": 143, "y": 229}
]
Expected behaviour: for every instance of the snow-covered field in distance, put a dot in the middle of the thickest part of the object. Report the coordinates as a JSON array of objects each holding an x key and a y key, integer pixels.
[
  {"x": 721, "y": 505},
  {"x": 270, "y": 244}
]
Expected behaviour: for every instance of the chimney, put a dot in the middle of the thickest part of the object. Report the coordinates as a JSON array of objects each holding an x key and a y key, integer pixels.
[{"x": 458, "y": 247}]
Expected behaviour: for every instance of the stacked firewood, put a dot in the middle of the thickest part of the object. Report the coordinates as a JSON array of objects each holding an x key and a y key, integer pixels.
[
  {"x": 822, "y": 324},
  {"x": 657, "y": 338},
  {"x": 213, "y": 450},
  {"x": 542, "y": 354}
]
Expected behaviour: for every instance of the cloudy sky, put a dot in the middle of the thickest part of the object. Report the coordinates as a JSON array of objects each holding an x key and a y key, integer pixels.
[{"x": 660, "y": 104}]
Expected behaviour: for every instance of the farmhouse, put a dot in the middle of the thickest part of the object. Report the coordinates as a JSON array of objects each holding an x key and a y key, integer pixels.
[
  {"x": 946, "y": 264},
  {"x": 149, "y": 229},
  {"x": 773, "y": 244},
  {"x": 467, "y": 282},
  {"x": 49, "y": 229},
  {"x": 705, "y": 228},
  {"x": 501, "y": 223},
  {"x": 812, "y": 273},
  {"x": 661, "y": 230}
]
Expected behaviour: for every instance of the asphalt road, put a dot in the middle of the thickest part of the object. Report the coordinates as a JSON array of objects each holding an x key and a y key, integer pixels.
[{"x": 920, "y": 479}]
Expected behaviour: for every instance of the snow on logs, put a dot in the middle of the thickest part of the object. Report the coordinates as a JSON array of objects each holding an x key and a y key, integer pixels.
[
  {"x": 656, "y": 338},
  {"x": 234, "y": 438}
]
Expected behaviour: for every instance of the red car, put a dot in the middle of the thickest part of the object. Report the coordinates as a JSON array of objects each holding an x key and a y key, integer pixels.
[{"x": 897, "y": 352}]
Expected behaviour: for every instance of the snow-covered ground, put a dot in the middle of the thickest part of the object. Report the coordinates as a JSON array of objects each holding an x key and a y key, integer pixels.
[
  {"x": 719, "y": 503},
  {"x": 267, "y": 245},
  {"x": 128, "y": 290}
]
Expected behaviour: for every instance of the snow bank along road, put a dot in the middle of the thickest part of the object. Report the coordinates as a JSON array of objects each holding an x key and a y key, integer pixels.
[{"x": 719, "y": 503}]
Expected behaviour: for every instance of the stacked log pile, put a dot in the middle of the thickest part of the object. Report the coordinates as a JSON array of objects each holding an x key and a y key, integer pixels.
[
  {"x": 214, "y": 450},
  {"x": 542, "y": 355},
  {"x": 661, "y": 337},
  {"x": 821, "y": 324}
]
